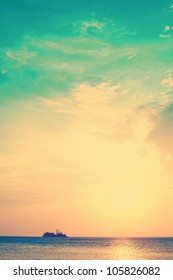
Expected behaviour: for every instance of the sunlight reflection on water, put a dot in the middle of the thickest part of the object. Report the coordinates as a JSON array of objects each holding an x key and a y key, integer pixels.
[{"x": 86, "y": 248}]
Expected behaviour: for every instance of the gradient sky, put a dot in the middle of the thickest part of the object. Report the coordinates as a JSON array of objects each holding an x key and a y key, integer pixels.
[{"x": 86, "y": 117}]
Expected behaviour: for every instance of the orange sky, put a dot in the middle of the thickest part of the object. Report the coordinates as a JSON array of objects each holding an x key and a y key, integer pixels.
[
  {"x": 86, "y": 118},
  {"x": 82, "y": 177}
]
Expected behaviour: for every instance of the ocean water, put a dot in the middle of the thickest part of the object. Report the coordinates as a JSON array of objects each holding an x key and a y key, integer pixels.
[{"x": 38, "y": 248}]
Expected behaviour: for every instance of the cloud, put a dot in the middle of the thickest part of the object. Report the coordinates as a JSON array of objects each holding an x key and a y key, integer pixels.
[
  {"x": 70, "y": 46},
  {"x": 89, "y": 105},
  {"x": 166, "y": 28},
  {"x": 21, "y": 55},
  {"x": 168, "y": 82},
  {"x": 165, "y": 36},
  {"x": 166, "y": 32},
  {"x": 50, "y": 63},
  {"x": 103, "y": 110},
  {"x": 88, "y": 25},
  {"x": 161, "y": 134},
  {"x": 4, "y": 72}
]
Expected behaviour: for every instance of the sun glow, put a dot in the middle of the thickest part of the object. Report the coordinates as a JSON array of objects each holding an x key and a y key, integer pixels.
[{"x": 86, "y": 120}]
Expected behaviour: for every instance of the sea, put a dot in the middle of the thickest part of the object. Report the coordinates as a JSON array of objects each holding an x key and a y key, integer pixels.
[{"x": 39, "y": 248}]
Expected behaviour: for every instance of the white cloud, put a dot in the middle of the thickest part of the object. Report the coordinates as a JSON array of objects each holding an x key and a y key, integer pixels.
[
  {"x": 166, "y": 33},
  {"x": 21, "y": 55},
  {"x": 84, "y": 46},
  {"x": 167, "y": 27},
  {"x": 168, "y": 82},
  {"x": 164, "y": 36},
  {"x": 86, "y": 25},
  {"x": 4, "y": 71}
]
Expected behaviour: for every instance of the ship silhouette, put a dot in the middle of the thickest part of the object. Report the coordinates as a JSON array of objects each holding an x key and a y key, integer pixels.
[{"x": 57, "y": 234}]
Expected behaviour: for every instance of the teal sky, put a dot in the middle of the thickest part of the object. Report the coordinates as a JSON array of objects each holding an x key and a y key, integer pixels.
[
  {"x": 83, "y": 41},
  {"x": 87, "y": 74}
]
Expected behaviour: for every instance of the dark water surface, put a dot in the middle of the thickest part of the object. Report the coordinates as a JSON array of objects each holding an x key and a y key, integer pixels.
[{"x": 85, "y": 248}]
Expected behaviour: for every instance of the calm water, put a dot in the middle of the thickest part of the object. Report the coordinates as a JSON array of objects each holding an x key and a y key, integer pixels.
[{"x": 86, "y": 248}]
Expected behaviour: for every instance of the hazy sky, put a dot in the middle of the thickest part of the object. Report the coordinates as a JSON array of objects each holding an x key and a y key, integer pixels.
[{"x": 86, "y": 117}]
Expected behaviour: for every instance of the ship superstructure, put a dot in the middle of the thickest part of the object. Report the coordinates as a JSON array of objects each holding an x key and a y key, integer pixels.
[{"x": 57, "y": 234}]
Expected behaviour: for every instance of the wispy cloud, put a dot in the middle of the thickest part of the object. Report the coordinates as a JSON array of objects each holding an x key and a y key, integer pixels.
[
  {"x": 168, "y": 82},
  {"x": 165, "y": 36},
  {"x": 21, "y": 55},
  {"x": 87, "y": 25},
  {"x": 103, "y": 111},
  {"x": 166, "y": 32}
]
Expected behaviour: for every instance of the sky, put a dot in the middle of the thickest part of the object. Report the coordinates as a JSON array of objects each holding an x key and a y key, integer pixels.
[{"x": 86, "y": 117}]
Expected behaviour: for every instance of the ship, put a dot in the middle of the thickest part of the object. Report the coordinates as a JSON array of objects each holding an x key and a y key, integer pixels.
[{"x": 57, "y": 234}]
